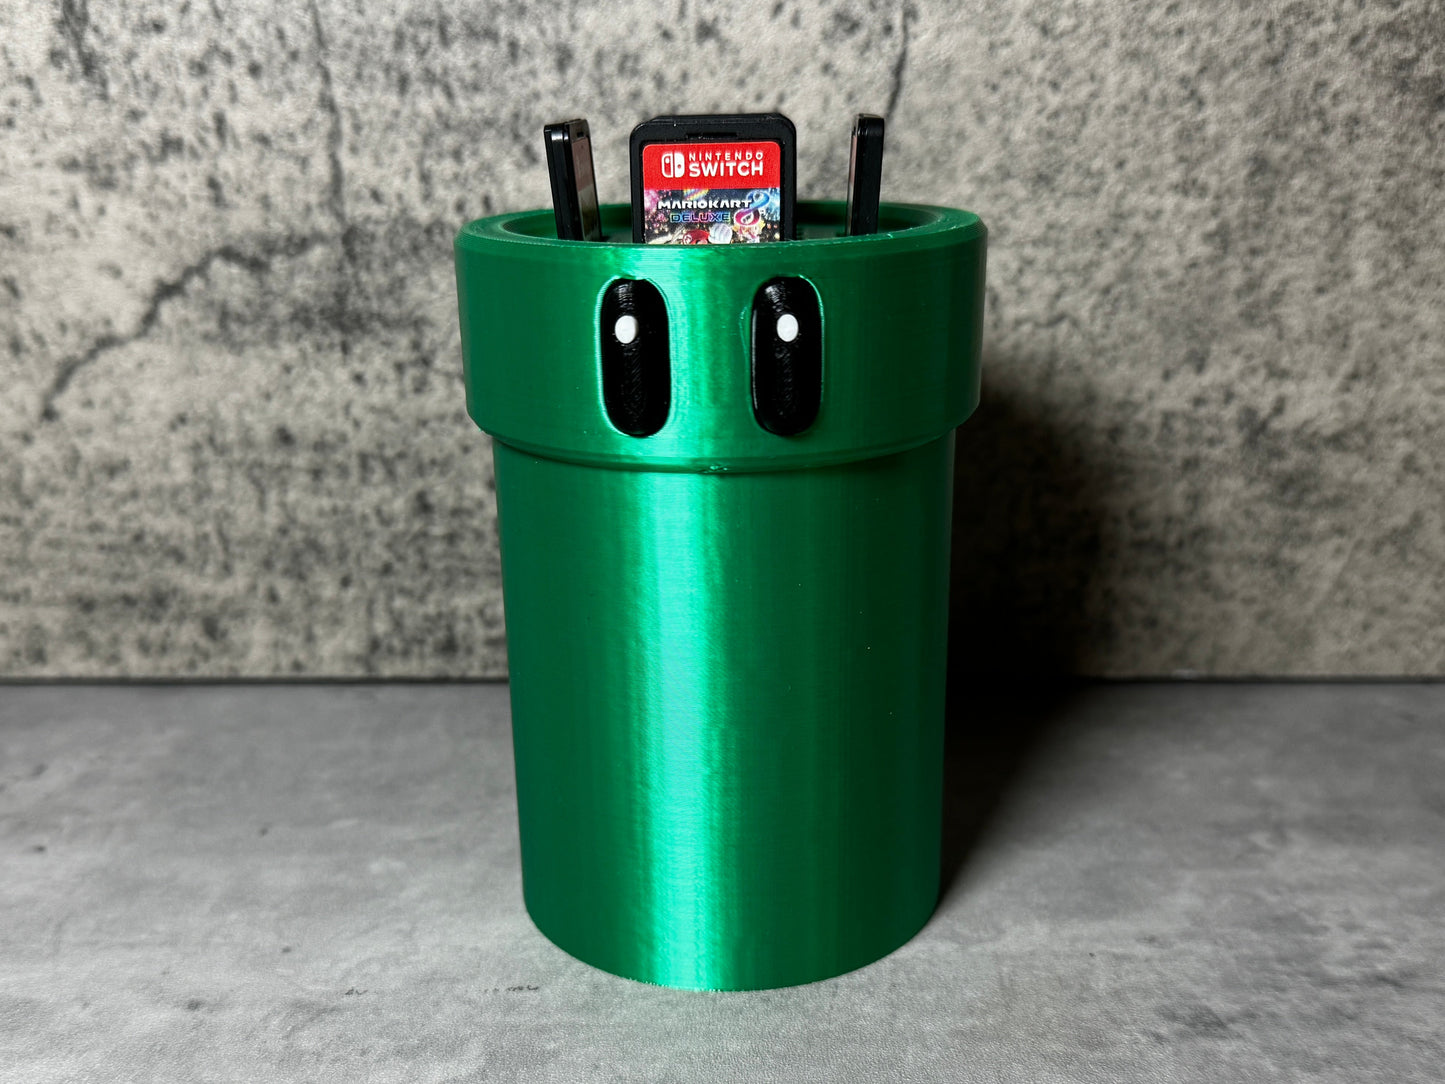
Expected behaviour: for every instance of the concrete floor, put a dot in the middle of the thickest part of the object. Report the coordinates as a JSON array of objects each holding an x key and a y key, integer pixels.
[{"x": 1147, "y": 882}]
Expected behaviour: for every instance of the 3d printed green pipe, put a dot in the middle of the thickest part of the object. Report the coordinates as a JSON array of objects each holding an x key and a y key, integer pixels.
[{"x": 727, "y": 646}]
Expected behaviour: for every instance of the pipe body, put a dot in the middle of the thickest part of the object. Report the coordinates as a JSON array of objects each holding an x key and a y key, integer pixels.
[{"x": 726, "y": 646}]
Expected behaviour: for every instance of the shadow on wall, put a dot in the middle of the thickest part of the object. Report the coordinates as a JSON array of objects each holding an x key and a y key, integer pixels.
[{"x": 1027, "y": 546}]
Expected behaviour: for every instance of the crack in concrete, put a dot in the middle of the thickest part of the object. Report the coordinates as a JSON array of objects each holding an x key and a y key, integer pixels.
[
  {"x": 336, "y": 187},
  {"x": 255, "y": 263},
  {"x": 896, "y": 88},
  {"x": 326, "y": 99}
]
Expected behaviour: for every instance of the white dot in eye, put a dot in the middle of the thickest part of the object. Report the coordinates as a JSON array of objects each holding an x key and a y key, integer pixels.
[
  {"x": 625, "y": 329},
  {"x": 787, "y": 327}
]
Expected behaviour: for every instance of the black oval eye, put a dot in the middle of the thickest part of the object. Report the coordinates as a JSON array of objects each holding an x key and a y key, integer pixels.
[
  {"x": 636, "y": 370},
  {"x": 787, "y": 356}
]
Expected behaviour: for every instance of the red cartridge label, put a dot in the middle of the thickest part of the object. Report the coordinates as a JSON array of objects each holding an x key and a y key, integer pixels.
[{"x": 712, "y": 193}]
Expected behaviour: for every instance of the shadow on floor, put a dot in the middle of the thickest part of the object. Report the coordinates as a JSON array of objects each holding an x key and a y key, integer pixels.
[
  {"x": 1027, "y": 545},
  {"x": 992, "y": 735}
]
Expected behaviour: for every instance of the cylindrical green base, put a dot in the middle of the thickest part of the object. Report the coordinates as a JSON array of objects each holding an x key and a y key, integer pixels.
[
  {"x": 726, "y": 645},
  {"x": 727, "y": 693}
]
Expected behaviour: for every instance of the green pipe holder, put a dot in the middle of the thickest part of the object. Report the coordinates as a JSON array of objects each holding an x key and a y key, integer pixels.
[{"x": 726, "y": 646}]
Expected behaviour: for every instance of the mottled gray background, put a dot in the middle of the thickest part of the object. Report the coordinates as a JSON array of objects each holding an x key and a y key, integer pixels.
[{"x": 232, "y": 439}]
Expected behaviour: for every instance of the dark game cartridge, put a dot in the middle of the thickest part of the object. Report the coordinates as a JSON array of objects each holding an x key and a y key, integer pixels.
[
  {"x": 710, "y": 180},
  {"x": 865, "y": 174},
  {"x": 574, "y": 190}
]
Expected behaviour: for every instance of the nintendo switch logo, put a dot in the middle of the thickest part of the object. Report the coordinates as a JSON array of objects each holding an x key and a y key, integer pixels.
[{"x": 673, "y": 164}]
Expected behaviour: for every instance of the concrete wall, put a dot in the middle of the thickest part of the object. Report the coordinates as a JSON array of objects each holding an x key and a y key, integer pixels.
[{"x": 232, "y": 439}]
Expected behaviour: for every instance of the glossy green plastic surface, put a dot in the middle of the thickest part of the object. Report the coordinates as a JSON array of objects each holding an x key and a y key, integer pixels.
[
  {"x": 726, "y": 646},
  {"x": 902, "y": 325}
]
